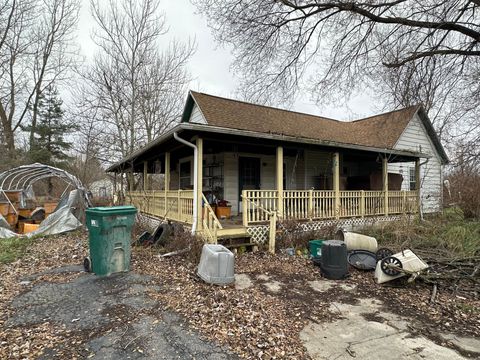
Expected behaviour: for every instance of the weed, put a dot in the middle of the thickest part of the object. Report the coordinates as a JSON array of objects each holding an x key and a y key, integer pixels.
[{"x": 13, "y": 248}]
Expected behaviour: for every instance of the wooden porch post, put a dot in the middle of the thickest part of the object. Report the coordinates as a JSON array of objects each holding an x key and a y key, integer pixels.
[
  {"x": 114, "y": 199},
  {"x": 336, "y": 182},
  {"x": 199, "y": 183},
  {"x": 166, "y": 173},
  {"x": 362, "y": 203},
  {"x": 145, "y": 175},
  {"x": 417, "y": 184},
  {"x": 130, "y": 175},
  {"x": 385, "y": 183},
  {"x": 244, "y": 208},
  {"x": 122, "y": 188},
  {"x": 272, "y": 233},
  {"x": 280, "y": 181},
  {"x": 310, "y": 204}
]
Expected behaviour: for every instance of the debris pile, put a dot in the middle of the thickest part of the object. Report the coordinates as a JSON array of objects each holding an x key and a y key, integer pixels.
[{"x": 459, "y": 276}]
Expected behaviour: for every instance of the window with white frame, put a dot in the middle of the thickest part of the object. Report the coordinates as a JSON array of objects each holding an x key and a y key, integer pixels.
[{"x": 412, "y": 179}]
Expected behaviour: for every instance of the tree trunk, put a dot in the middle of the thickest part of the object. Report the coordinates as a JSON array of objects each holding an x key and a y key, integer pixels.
[
  {"x": 33, "y": 125},
  {"x": 7, "y": 132}
]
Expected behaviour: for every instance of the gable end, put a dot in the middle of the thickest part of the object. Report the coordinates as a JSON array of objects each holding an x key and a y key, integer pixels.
[{"x": 192, "y": 112}]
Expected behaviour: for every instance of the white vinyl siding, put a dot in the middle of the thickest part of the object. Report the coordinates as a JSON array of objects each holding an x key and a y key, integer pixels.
[
  {"x": 267, "y": 175},
  {"x": 197, "y": 116},
  {"x": 416, "y": 138}
]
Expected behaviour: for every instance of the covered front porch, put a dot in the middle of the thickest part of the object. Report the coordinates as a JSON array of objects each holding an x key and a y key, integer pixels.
[{"x": 184, "y": 179}]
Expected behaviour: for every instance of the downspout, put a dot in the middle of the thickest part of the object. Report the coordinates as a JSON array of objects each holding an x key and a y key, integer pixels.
[
  {"x": 420, "y": 208},
  {"x": 195, "y": 173}
]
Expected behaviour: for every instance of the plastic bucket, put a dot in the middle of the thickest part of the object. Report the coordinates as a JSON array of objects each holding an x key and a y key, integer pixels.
[
  {"x": 315, "y": 248},
  {"x": 356, "y": 241}
]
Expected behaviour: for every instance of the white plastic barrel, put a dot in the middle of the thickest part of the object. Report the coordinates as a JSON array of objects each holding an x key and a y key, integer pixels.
[{"x": 356, "y": 241}]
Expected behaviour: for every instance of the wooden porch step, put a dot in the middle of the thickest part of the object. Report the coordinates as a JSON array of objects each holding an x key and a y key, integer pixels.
[{"x": 233, "y": 233}]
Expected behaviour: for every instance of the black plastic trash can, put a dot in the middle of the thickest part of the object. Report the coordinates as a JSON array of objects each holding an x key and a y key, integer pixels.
[{"x": 334, "y": 263}]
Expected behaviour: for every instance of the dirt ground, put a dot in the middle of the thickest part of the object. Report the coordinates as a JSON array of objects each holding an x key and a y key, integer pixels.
[{"x": 279, "y": 307}]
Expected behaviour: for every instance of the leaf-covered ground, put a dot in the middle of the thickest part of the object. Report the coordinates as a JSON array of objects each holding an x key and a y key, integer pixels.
[{"x": 262, "y": 318}]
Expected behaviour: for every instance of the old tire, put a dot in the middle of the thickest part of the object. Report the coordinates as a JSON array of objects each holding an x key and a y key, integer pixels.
[
  {"x": 87, "y": 264},
  {"x": 161, "y": 234}
]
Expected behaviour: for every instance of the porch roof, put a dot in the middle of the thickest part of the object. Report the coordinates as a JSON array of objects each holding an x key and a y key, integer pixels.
[{"x": 164, "y": 143}]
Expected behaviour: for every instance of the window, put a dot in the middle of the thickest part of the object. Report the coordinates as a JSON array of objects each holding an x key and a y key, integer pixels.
[
  {"x": 412, "y": 179},
  {"x": 185, "y": 174},
  {"x": 102, "y": 192}
]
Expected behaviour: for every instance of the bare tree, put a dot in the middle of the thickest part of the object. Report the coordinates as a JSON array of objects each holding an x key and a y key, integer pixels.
[
  {"x": 16, "y": 22},
  {"x": 411, "y": 51},
  {"x": 35, "y": 39},
  {"x": 135, "y": 88},
  {"x": 53, "y": 56},
  {"x": 340, "y": 45},
  {"x": 439, "y": 87}
]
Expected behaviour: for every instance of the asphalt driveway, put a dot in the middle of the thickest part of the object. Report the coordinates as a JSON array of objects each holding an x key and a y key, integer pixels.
[{"x": 107, "y": 318}]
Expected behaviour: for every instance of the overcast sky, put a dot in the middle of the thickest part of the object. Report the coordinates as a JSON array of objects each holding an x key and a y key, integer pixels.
[{"x": 210, "y": 66}]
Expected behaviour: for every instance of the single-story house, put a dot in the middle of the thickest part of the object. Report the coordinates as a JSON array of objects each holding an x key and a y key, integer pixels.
[
  {"x": 272, "y": 165},
  {"x": 102, "y": 189}
]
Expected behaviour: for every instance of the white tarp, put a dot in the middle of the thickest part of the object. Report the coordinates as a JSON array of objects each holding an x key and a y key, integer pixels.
[{"x": 5, "y": 231}]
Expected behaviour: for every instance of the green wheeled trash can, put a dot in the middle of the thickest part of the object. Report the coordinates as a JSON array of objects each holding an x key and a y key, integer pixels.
[{"x": 109, "y": 230}]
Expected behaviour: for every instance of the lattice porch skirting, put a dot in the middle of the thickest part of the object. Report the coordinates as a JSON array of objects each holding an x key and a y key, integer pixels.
[{"x": 259, "y": 233}]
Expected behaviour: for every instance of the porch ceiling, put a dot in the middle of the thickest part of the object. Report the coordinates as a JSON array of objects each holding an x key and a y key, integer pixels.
[{"x": 254, "y": 140}]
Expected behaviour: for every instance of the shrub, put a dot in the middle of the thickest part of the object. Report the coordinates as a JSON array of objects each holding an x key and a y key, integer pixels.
[
  {"x": 464, "y": 184},
  {"x": 181, "y": 240},
  {"x": 293, "y": 236}
]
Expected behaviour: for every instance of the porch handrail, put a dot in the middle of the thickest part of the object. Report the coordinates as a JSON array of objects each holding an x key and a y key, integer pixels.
[
  {"x": 176, "y": 205},
  {"x": 321, "y": 204},
  {"x": 272, "y": 220},
  {"x": 211, "y": 224}
]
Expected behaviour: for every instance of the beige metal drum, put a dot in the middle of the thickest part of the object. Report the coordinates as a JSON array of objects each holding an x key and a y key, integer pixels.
[{"x": 356, "y": 241}]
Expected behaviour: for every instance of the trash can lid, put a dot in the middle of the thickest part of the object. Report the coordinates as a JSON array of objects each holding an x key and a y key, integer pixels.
[
  {"x": 333, "y": 243},
  {"x": 112, "y": 210}
]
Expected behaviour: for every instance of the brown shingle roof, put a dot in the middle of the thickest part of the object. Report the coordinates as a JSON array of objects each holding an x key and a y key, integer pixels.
[{"x": 380, "y": 131}]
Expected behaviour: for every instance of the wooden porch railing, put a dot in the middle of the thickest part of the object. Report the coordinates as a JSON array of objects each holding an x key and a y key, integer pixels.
[
  {"x": 210, "y": 222},
  {"x": 176, "y": 205},
  {"x": 321, "y": 204},
  {"x": 268, "y": 215}
]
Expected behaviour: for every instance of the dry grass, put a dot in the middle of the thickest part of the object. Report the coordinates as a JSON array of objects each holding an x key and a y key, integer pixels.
[
  {"x": 449, "y": 233},
  {"x": 293, "y": 236}
]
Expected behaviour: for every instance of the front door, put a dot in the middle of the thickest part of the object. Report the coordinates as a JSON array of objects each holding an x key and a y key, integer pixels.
[{"x": 249, "y": 176}]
